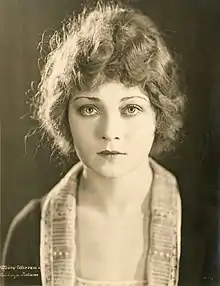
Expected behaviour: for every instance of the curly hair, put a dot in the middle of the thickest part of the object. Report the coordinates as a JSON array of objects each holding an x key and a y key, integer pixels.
[{"x": 109, "y": 42}]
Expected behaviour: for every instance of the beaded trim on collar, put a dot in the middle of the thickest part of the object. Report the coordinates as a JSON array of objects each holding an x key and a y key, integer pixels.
[{"x": 58, "y": 249}]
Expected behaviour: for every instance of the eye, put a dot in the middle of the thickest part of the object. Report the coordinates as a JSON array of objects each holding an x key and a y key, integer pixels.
[
  {"x": 131, "y": 110},
  {"x": 88, "y": 110}
]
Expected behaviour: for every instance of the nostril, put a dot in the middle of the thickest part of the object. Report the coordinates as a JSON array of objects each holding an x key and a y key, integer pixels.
[{"x": 107, "y": 138}]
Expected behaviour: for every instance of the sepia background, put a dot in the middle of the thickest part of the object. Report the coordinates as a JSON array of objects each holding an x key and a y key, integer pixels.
[{"x": 191, "y": 29}]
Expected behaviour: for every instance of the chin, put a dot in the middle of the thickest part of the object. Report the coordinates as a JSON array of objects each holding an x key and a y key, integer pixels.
[
  {"x": 112, "y": 172},
  {"x": 112, "y": 175},
  {"x": 107, "y": 171},
  {"x": 112, "y": 169}
]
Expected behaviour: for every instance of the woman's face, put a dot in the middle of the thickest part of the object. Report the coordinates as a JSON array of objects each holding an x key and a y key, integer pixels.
[{"x": 112, "y": 129}]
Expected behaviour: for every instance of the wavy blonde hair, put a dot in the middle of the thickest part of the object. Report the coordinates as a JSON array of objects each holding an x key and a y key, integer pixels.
[{"x": 110, "y": 42}]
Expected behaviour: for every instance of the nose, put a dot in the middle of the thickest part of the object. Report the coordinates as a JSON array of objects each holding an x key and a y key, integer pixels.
[{"x": 111, "y": 128}]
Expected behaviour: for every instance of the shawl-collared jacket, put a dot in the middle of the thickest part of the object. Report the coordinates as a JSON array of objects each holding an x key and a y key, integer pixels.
[{"x": 40, "y": 245}]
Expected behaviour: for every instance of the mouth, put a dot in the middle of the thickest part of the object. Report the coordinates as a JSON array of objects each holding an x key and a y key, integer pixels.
[{"x": 110, "y": 153}]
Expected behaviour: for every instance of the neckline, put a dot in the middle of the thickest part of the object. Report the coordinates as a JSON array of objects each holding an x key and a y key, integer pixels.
[{"x": 85, "y": 281}]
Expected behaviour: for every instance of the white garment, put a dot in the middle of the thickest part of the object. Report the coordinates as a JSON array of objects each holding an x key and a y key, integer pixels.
[{"x": 86, "y": 282}]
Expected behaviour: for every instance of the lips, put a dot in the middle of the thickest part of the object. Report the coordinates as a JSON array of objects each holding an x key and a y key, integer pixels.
[{"x": 110, "y": 153}]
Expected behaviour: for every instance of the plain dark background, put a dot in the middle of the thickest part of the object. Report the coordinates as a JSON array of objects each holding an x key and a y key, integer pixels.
[{"x": 191, "y": 28}]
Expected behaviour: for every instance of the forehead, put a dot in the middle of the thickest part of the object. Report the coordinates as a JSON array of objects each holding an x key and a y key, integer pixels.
[{"x": 114, "y": 91}]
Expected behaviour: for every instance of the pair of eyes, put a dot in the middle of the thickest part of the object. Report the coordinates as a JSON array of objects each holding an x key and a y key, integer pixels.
[{"x": 92, "y": 110}]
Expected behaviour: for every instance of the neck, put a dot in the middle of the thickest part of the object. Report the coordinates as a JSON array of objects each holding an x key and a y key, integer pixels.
[{"x": 113, "y": 195}]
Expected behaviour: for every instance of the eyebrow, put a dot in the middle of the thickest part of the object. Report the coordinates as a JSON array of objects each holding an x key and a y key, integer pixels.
[
  {"x": 98, "y": 99},
  {"x": 88, "y": 97}
]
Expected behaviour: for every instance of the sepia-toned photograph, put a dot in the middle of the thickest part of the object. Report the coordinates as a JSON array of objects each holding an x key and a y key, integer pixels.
[{"x": 110, "y": 143}]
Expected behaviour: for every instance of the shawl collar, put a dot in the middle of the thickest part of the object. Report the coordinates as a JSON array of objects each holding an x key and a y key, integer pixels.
[{"x": 57, "y": 247}]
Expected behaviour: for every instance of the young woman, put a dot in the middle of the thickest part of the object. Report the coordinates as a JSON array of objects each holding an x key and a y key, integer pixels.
[{"x": 108, "y": 93}]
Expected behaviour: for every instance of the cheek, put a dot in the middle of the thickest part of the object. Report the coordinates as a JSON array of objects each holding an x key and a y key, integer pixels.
[
  {"x": 81, "y": 138},
  {"x": 78, "y": 127},
  {"x": 141, "y": 129},
  {"x": 82, "y": 134},
  {"x": 76, "y": 131}
]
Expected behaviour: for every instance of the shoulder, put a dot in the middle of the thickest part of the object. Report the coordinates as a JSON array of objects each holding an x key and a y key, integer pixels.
[
  {"x": 24, "y": 227},
  {"x": 30, "y": 212},
  {"x": 21, "y": 247},
  {"x": 27, "y": 216},
  {"x": 162, "y": 174}
]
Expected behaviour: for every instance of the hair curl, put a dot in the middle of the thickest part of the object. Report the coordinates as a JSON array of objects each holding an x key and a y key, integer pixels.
[{"x": 111, "y": 42}]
